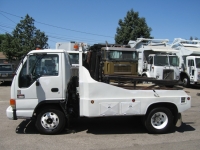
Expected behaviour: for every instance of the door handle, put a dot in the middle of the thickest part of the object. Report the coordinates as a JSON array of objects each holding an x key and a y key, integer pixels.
[{"x": 54, "y": 90}]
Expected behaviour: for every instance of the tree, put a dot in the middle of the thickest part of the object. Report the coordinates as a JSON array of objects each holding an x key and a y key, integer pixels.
[
  {"x": 131, "y": 28},
  {"x": 2, "y": 37},
  {"x": 24, "y": 38}
]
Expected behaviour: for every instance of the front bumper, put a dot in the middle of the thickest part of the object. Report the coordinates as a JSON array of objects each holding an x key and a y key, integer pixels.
[{"x": 11, "y": 114}]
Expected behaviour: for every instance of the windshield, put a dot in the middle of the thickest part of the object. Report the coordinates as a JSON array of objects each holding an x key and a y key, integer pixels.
[
  {"x": 125, "y": 55},
  {"x": 74, "y": 58},
  {"x": 5, "y": 68},
  {"x": 161, "y": 61},
  {"x": 197, "y": 60},
  {"x": 173, "y": 60}
]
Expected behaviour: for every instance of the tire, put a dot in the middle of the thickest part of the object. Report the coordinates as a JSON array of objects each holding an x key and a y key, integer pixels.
[
  {"x": 145, "y": 76},
  {"x": 159, "y": 121},
  {"x": 50, "y": 121},
  {"x": 186, "y": 81}
]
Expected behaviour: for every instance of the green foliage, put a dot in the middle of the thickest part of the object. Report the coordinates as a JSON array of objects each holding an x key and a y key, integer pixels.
[
  {"x": 131, "y": 28},
  {"x": 24, "y": 38},
  {"x": 2, "y": 37}
]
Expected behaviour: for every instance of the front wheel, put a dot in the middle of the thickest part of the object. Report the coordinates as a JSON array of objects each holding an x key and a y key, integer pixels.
[
  {"x": 50, "y": 121},
  {"x": 186, "y": 81},
  {"x": 159, "y": 120}
]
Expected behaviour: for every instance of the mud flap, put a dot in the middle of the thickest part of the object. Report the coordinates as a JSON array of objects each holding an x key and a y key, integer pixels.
[{"x": 179, "y": 120}]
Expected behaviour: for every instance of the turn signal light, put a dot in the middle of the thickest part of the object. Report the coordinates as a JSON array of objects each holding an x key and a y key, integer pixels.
[{"x": 12, "y": 103}]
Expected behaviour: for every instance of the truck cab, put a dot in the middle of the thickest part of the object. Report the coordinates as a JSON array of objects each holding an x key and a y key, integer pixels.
[
  {"x": 156, "y": 59},
  {"x": 119, "y": 60},
  {"x": 106, "y": 60},
  {"x": 193, "y": 69},
  {"x": 41, "y": 79},
  {"x": 161, "y": 66}
]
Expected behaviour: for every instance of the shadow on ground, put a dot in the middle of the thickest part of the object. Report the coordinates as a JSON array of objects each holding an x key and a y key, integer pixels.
[
  {"x": 111, "y": 125},
  {"x": 6, "y": 83},
  {"x": 185, "y": 127}
]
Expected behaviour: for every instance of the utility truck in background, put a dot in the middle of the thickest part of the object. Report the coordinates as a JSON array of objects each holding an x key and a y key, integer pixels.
[
  {"x": 52, "y": 98},
  {"x": 156, "y": 59},
  {"x": 117, "y": 64},
  {"x": 72, "y": 49},
  {"x": 188, "y": 52}
]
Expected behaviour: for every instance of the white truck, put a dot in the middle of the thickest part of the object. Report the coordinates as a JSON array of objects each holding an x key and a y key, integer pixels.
[
  {"x": 156, "y": 59},
  {"x": 52, "y": 99},
  {"x": 189, "y": 64}
]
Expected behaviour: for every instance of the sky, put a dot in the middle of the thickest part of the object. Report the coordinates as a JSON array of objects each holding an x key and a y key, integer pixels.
[{"x": 96, "y": 21}]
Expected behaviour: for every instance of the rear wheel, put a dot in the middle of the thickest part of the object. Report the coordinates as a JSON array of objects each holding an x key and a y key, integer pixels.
[
  {"x": 159, "y": 120},
  {"x": 50, "y": 121}
]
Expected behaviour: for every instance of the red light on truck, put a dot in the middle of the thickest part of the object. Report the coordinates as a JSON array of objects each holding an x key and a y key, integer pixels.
[
  {"x": 133, "y": 100},
  {"x": 188, "y": 98},
  {"x": 76, "y": 46}
]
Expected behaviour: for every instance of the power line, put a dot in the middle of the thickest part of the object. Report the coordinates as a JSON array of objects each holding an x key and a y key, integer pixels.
[
  {"x": 7, "y": 18},
  {"x": 3, "y": 30},
  {"x": 73, "y": 30},
  {"x": 6, "y": 26},
  {"x": 60, "y": 27},
  {"x": 59, "y": 37},
  {"x": 11, "y": 14},
  {"x": 69, "y": 38}
]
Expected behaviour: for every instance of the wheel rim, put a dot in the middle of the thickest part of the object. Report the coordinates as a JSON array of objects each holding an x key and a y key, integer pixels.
[
  {"x": 185, "y": 81},
  {"x": 49, "y": 120},
  {"x": 159, "y": 120}
]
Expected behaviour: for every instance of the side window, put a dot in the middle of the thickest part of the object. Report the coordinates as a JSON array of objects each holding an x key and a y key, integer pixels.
[
  {"x": 190, "y": 63},
  {"x": 150, "y": 60},
  {"x": 39, "y": 66}
]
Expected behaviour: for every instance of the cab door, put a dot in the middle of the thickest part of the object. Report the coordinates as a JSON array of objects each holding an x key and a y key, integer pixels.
[
  {"x": 191, "y": 68},
  {"x": 150, "y": 67},
  {"x": 44, "y": 82}
]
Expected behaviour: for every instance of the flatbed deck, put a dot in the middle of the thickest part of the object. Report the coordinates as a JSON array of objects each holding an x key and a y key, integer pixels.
[
  {"x": 136, "y": 79},
  {"x": 145, "y": 86}
]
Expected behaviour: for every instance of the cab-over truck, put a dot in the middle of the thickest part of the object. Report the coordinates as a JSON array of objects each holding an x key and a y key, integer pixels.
[
  {"x": 51, "y": 98},
  {"x": 156, "y": 59}
]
